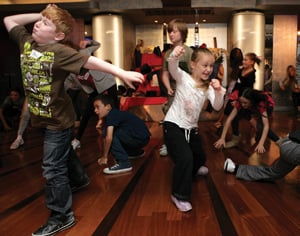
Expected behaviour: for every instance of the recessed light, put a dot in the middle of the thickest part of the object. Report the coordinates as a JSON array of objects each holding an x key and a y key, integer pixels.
[{"x": 156, "y": 21}]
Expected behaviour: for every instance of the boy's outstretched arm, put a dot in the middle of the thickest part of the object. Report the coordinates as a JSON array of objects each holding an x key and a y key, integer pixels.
[
  {"x": 20, "y": 19},
  {"x": 94, "y": 63}
]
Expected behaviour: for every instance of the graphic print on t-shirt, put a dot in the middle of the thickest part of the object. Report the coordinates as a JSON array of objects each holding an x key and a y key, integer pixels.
[{"x": 37, "y": 78}]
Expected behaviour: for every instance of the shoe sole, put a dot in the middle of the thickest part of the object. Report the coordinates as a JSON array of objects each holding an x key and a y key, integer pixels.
[
  {"x": 136, "y": 157},
  {"x": 67, "y": 226},
  {"x": 112, "y": 172},
  {"x": 225, "y": 166}
]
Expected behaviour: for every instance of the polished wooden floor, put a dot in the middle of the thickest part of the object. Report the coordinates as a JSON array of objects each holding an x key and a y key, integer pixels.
[{"x": 138, "y": 203}]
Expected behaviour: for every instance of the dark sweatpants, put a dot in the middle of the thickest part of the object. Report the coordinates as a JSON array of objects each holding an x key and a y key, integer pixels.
[{"x": 185, "y": 149}]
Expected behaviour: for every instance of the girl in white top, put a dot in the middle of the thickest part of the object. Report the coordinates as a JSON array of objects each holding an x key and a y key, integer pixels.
[{"x": 181, "y": 122}]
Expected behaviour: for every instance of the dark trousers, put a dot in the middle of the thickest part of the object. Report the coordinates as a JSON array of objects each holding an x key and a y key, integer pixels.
[
  {"x": 188, "y": 156},
  {"x": 74, "y": 94},
  {"x": 124, "y": 145}
]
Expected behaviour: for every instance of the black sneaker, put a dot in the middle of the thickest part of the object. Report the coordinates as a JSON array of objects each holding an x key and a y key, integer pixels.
[
  {"x": 118, "y": 168},
  {"x": 55, "y": 225},
  {"x": 77, "y": 186},
  {"x": 138, "y": 154}
]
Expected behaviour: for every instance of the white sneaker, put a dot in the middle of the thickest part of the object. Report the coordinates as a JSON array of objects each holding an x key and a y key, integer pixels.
[
  {"x": 17, "y": 143},
  {"x": 229, "y": 166},
  {"x": 183, "y": 206},
  {"x": 163, "y": 151},
  {"x": 203, "y": 170},
  {"x": 75, "y": 143}
]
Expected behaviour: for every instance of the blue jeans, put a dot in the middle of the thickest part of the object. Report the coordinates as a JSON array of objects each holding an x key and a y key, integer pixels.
[
  {"x": 55, "y": 169},
  {"x": 124, "y": 144}
]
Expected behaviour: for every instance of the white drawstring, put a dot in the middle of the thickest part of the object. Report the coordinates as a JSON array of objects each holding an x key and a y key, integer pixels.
[{"x": 187, "y": 133}]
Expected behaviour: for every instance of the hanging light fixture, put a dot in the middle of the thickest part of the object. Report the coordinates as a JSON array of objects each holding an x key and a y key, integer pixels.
[{"x": 196, "y": 28}]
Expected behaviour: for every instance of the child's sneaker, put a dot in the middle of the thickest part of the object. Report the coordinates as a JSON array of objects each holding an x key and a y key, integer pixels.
[
  {"x": 118, "y": 168},
  {"x": 229, "y": 166},
  {"x": 17, "y": 143},
  {"x": 203, "y": 170},
  {"x": 183, "y": 206},
  {"x": 75, "y": 143}
]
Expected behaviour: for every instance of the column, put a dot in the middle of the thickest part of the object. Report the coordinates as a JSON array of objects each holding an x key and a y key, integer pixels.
[
  {"x": 248, "y": 34},
  {"x": 108, "y": 30}
]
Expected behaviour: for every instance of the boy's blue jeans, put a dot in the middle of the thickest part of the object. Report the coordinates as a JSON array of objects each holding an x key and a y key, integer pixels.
[
  {"x": 55, "y": 169},
  {"x": 124, "y": 144}
]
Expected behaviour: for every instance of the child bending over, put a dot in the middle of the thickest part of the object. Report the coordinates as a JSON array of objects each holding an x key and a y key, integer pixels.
[{"x": 124, "y": 135}]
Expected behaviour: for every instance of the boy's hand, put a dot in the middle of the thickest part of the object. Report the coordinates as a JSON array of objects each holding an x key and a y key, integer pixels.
[
  {"x": 170, "y": 92},
  {"x": 99, "y": 124},
  {"x": 102, "y": 161},
  {"x": 132, "y": 76}
]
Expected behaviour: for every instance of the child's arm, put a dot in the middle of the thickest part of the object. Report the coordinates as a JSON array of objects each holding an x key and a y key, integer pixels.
[
  {"x": 94, "y": 63},
  {"x": 177, "y": 52},
  {"x": 107, "y": 144},
  {"x": 217, "y": 100},
  {"x": 20, "y": 19},
  {"x": 260, "y": 146},
  {"x": 173, "y": 62},
  {"x": 221, "y": 142},
  {"x": 166, "y": 81}
]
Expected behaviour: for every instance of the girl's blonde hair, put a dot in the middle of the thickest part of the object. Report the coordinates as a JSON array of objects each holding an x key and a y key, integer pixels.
[
  {"x": 62, "y": 19},
  {"x": 196, "y": 56}
]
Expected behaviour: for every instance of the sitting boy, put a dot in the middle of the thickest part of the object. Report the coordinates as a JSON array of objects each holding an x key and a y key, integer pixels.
[{"x": 124, "y": 135}]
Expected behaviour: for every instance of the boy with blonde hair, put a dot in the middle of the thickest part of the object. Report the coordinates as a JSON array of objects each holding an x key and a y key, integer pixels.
[{"x": 45, "y": 63}]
